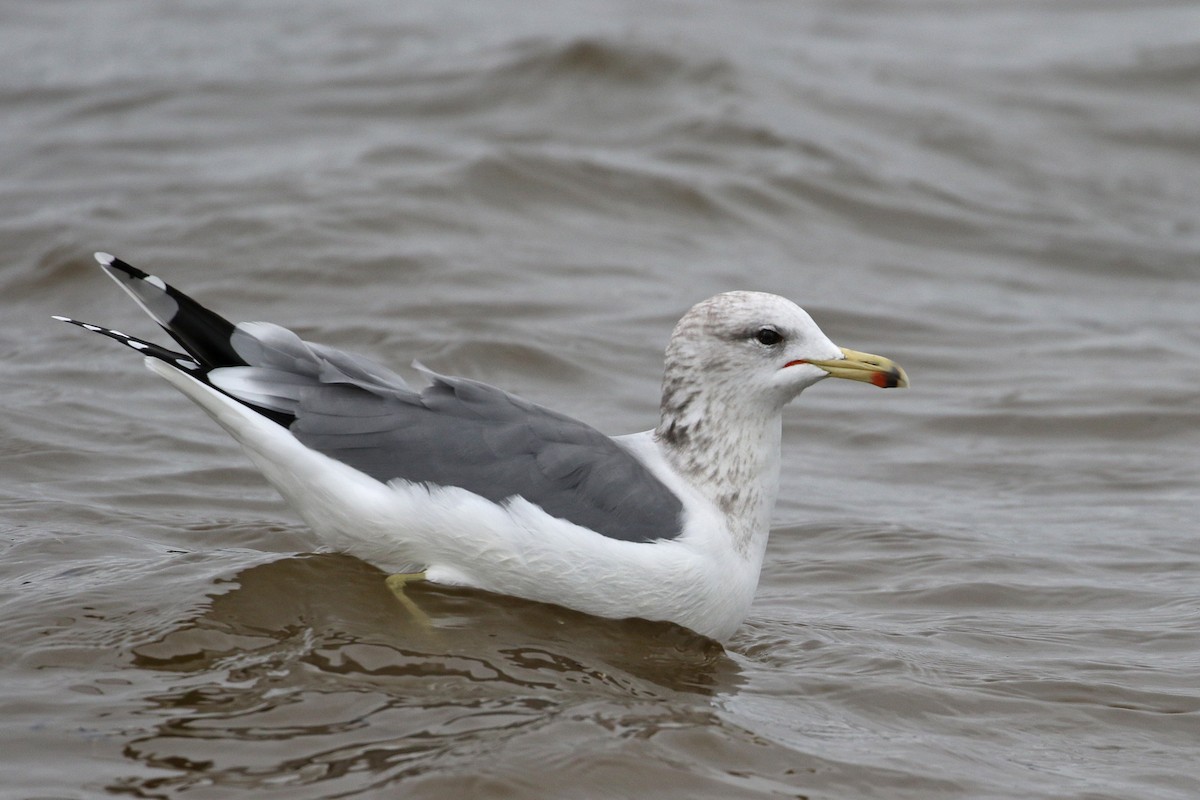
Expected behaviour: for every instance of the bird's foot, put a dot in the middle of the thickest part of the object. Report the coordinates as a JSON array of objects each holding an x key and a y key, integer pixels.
[{"x": 397, "y": 583}]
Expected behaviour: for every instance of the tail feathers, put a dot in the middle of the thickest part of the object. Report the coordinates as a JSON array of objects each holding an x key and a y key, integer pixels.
[{"x": 204, "y": 334}]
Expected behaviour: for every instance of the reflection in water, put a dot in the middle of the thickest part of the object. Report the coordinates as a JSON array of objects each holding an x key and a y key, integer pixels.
[{"x": 317, "y": 663}]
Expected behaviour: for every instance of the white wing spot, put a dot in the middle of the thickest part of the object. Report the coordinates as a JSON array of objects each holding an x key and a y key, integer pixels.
[
  {"x": 156, "y": 282},
  {"x": 93, "y": 328},
  {"x": 105, "y": 259},
  {"x": 183, "y": 362},
  {"x": 137, "y": 345}
]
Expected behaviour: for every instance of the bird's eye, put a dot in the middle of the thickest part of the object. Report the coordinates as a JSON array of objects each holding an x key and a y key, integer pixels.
[{"x": 768, "y": 336}]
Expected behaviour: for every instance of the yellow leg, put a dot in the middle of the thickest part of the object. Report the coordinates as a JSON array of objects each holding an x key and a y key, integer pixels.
[{"x": 397, "y": 584}]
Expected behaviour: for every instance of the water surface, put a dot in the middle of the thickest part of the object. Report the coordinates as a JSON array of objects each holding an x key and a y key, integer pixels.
[{"x": 987, "y": 586}]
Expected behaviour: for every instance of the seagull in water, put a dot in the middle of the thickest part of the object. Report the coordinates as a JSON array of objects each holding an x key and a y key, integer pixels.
[{"x": 468, "y": 485}]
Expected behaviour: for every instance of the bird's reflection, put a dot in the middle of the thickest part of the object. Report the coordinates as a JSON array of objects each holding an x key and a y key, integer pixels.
[{"x": 310, "y": 669}]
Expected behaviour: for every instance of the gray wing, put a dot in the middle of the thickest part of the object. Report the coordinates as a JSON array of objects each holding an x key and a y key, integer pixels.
[{"x": 455, "y": 432}]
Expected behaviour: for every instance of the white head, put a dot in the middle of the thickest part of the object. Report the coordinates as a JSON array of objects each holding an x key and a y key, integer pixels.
[
  {"x": 733, "y": 362},
  {"x": 750, "y": 353}
]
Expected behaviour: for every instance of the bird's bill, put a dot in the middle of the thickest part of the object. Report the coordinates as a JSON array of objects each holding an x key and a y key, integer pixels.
[{"x": 856, "y": 366}]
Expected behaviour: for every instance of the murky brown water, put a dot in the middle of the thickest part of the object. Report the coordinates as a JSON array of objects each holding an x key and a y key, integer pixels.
[{"x": 988, "y": 586}]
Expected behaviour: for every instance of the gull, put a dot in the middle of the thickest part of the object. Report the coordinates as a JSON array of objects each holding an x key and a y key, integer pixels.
[{"x": 463, "y": 484}]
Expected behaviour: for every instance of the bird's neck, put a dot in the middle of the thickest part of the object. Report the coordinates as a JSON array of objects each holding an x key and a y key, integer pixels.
[{"x": 730, "y": 457}]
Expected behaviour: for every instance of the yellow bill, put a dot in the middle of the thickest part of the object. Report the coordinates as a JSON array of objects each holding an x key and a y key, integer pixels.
[{"x": 856, "y": 366}]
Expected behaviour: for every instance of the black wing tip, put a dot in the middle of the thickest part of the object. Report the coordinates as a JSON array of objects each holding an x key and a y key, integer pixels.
[
  {"x": 109, "y": 262},
  {"x": 78, "y": 323},
  {"x": 179, "y": 360}
]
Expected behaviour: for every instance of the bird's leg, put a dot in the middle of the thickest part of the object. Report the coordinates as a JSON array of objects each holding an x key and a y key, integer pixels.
[{"x": 397, "y": 584}]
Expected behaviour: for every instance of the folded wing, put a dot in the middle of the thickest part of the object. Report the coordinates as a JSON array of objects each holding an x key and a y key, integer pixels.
[{"x": 455, "y": 432}]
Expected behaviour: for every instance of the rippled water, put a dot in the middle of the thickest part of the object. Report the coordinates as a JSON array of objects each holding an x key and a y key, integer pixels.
[{"x": 988, "y": 586}]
